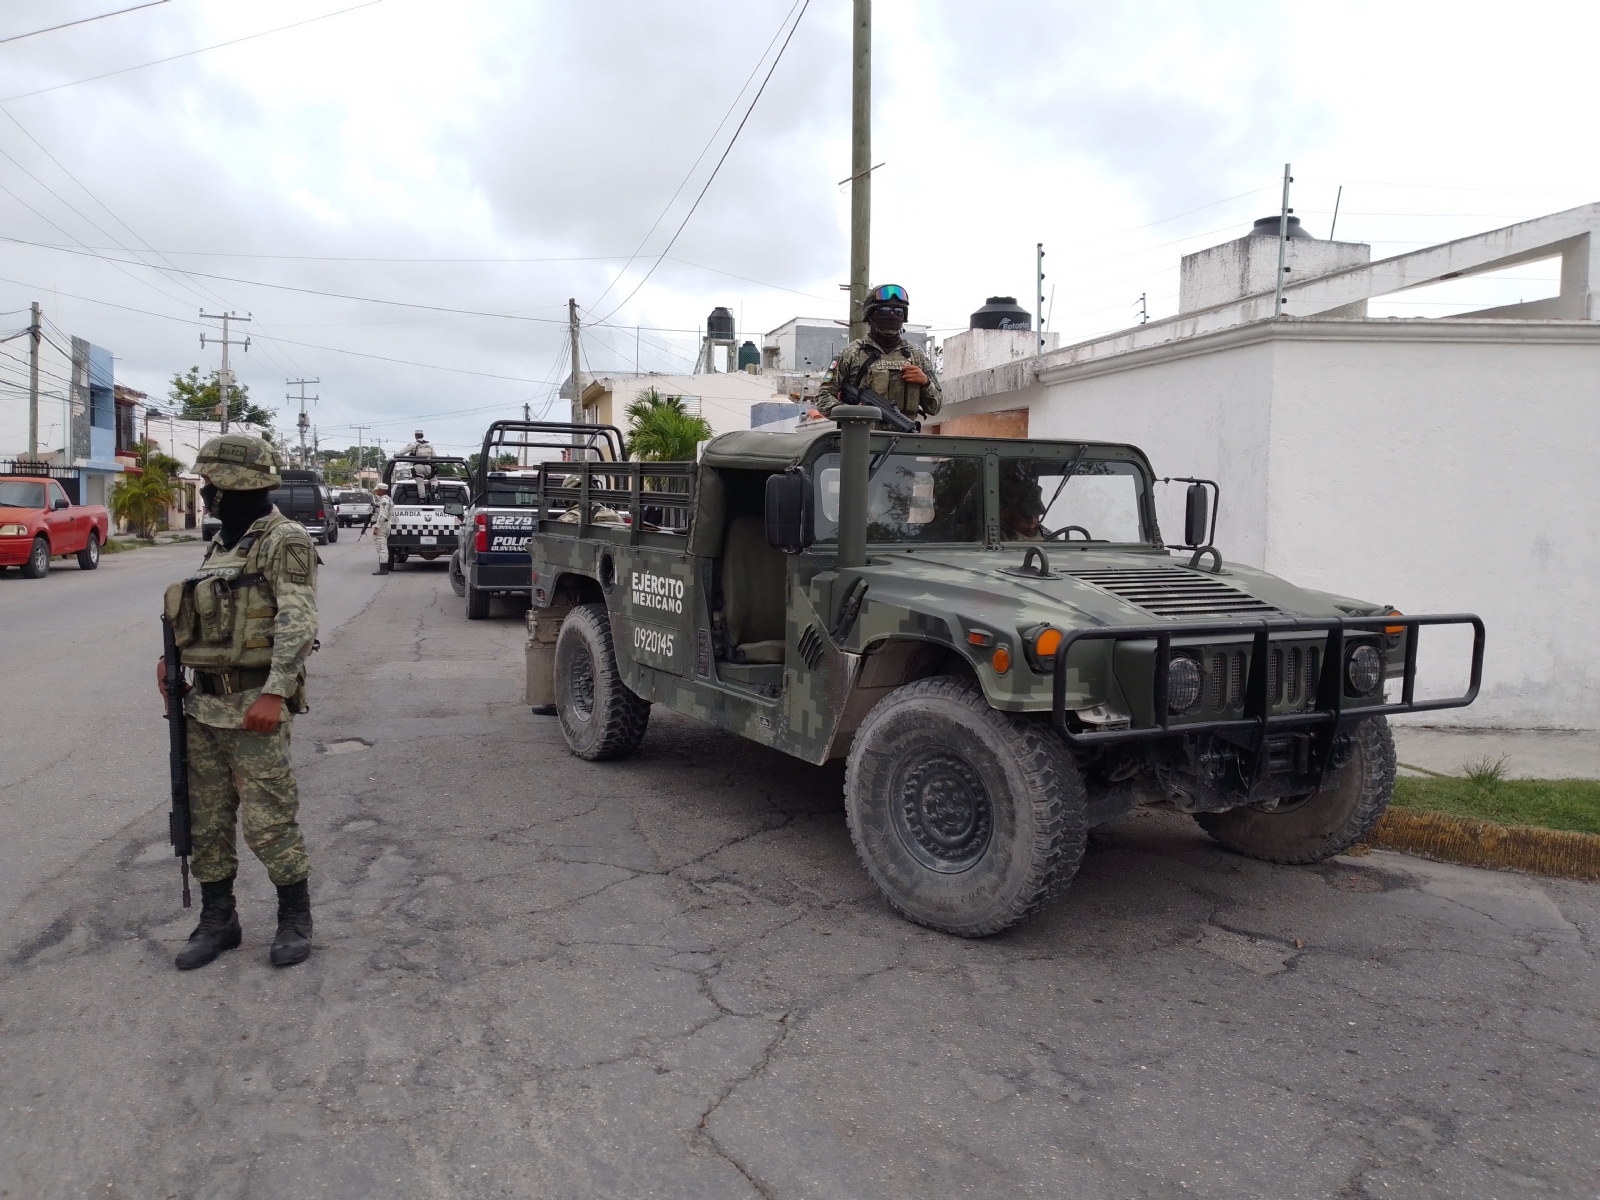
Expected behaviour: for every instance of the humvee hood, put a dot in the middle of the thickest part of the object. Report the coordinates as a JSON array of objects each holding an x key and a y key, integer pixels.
[{"x": 1103, "y": 587}]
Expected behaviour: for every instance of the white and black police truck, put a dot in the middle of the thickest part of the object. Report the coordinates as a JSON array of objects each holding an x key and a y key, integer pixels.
[
  {"x": 491, "y": 558},
  {"x": 430, "y": 493}
]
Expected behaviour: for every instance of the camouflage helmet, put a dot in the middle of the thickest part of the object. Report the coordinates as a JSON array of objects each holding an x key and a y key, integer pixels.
[
  {"x": 886, "y": 295},
  {"x": 238, "y": 462}
]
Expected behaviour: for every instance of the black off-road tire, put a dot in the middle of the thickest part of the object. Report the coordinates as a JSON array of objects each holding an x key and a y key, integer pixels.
[
  {"x": 89, "y": 556},
  {"x": 1330, "y": 821},
  {"x": 458, "y": 581},
  {"x": 600, "y": 718},
  {"x": 969, "y": 820},
  {"x": 477, "y": 603},
  {"x": 38, "y": 564}
]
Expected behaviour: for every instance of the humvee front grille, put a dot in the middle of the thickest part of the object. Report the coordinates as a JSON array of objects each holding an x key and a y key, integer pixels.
[{"x": 1175, "y": 592}]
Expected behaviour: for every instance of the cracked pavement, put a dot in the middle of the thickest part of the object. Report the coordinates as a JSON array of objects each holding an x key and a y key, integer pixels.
[{"x": 669, "y": 977}]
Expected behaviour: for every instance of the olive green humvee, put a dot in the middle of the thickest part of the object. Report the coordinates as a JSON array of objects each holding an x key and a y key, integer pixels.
[{"x": 994, "y": 635}]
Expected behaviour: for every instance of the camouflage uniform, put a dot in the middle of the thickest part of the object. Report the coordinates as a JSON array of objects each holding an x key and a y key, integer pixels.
[
  {"x": 868, "y": 365},
  {"x": 232, "y": 770},
  {"x": 378, "y": 519}
]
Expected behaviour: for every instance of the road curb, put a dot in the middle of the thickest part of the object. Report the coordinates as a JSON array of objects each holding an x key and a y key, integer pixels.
[{"x": 1470, "y": 843}]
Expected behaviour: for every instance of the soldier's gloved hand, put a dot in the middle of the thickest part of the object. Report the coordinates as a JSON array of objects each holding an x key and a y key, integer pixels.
[
  {"x": 264, "y": 714},
  {"x": 161, "y": 682},
  {"x": 911, "y": 373}
]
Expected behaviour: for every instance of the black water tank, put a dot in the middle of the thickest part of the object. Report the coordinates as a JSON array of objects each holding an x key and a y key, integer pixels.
[
  {"x": 720, "y": 323},
  {"x": 749, "y": 356},
  {"x": 1268, "y": 227},
  {"x": 1001, "y": 312}
]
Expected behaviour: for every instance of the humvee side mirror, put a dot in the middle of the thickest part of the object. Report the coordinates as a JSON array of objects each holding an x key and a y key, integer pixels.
[
  {"x": 789, "y": 511},
  {"x": 1196, "y": 515},
  {"x": 455, "y": 510}
]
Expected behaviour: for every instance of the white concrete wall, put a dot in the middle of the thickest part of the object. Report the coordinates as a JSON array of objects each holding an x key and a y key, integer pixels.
[
  {"x": 978, "y": 349},
  {"x": 1247, "y": 265}
]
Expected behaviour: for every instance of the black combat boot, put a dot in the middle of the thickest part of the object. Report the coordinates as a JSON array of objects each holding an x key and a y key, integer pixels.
[
  {"x": 293, "y": 943},
  {"x": 383, "y": 569},
  {"x": 218, "y": 929}
]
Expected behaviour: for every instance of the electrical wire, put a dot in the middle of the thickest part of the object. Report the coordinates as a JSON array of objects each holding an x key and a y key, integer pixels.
[
  {"x": 718, "y": 168},
  {"x": 17, "y": 37},
  {"x": 55, "y": 87}
]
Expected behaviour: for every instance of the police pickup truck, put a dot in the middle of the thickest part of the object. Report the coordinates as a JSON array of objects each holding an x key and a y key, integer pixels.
[
  {"x": 992, "y": 633},
  {"x": 430, "y": 494},
  {"x": 491, "y": 558}
]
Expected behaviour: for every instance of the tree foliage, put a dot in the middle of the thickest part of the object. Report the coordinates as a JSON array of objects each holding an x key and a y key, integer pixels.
[
  {"x": 199, "y": 398},
  {"x": 141, "y": 500},
  {"x": 660, "y": 429}
]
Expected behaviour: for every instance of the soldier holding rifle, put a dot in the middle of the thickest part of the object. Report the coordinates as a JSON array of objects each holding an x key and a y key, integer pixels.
[
  {"x": 898, "y": 375},
  {"x": 243, "y": 625}
]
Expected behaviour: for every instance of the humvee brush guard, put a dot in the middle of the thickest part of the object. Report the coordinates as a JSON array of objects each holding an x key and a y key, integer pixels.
[{"x": 991, "y": 632}]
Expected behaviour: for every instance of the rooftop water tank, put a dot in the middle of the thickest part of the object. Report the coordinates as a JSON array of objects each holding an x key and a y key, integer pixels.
[
  {"x": 1001, "y": 312},
  {"x": 720, "y": 324},
  {"x": 749, "y": 356},
  {"x": 1268, "y": 227}
]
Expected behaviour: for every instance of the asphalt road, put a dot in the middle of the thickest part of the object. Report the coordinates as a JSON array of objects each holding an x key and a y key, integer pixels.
[{"x": 538, "y": 977}]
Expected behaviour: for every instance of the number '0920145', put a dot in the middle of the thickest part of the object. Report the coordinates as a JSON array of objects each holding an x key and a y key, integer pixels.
[{"x": 652, "y": 641}]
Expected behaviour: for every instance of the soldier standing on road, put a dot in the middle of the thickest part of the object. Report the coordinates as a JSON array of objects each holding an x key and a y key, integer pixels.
[
  {"x": 245, "y": 624},
  {"x": 378, "y": 522},
  {"x": 884, "y": 362}
]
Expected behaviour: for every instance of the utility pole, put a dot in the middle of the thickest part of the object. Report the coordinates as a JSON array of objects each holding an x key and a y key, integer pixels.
[
  {"x": 224, "y": 376},
  {"x": 860, "y": 166},
  {"x": 305, "y": 421},
  {"x": 1283, "y": 242},
  {"x": 1038, "y": 299},
  {"x": 361, "y": 455},
  {"x": 35, "y": 333},
  {"x": 577, "y": 387}
]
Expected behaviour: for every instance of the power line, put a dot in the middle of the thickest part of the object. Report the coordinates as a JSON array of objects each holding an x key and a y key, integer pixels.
[
  {"x": 718, "y": 168},
  {"x": 55, "y": 87},
  {"x": 17, "y": 37}
]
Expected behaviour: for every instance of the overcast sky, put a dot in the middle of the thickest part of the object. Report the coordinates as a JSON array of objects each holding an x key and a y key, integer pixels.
[{"x": 501, "y": 156}]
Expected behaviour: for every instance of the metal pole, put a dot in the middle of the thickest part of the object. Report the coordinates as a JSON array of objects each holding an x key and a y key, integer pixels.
[
  {"x": 577, "y": 385},
  {"x": 860, "y": 166},
  {"x": 1283, "y": 243},
  {"x": 35, "y": 333},
  {"x": 1334, "y": 224},
  {"x": 855, "y": 434},
  {"x": 1038, "y": 299}
]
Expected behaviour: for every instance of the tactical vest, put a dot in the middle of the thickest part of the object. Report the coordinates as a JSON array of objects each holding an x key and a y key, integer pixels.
[
  {"x": 224, "y": 616},
  {"x": 882, "y": 375}
]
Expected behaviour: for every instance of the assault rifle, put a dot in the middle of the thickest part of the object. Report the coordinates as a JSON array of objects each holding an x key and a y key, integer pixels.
[
  {"x": 178, "y": 829},
  {"x": 893, "y": 418}
]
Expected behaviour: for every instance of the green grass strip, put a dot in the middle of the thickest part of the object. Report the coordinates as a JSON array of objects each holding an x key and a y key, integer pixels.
[{"x": 1572, "y": 804}]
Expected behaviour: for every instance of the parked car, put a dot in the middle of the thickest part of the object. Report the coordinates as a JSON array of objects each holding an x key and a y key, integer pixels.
[
  {"x": 352, "y": 506},
  {"x": 303, "y": 497},
  {"x": 38, "y": 522}
]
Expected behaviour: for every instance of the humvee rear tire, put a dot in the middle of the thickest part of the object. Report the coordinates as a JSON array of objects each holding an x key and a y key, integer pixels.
[
  {"x": 1326, "y": 823},
  {"x": 600, "y": 718},
  {"x": 969, "y": 820}
]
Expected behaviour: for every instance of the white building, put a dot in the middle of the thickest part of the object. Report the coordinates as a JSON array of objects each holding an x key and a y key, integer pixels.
[
  {"x": 1439, "y": 465},
  {"x": 723, "y": 398}
]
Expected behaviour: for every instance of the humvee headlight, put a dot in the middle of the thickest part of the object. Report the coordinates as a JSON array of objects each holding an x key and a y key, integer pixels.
[
  {"x": 1046, "y": 644},
  {"x": 1363, "y": 669},
  {"x": 1183, "y": 683}
]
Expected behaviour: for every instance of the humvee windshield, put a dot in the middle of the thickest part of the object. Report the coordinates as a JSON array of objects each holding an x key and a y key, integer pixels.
[
  {"x": 911, "y": 498},
  {"x": 1100, "y": 501}
]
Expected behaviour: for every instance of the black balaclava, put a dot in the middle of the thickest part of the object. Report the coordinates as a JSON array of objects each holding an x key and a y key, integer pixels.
[
  {"x": 886, "y": 321},
  {"x": 236, "y": 510}
]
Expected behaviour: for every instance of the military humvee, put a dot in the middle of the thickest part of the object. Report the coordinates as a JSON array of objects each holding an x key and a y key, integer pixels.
[{"x": 991, "y": 632}]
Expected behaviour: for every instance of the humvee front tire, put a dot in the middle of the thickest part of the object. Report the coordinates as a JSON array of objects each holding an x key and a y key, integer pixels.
[
  {"x": 969, "y": 820},
  {"x": 1330, "y": 820},
  {"x": 600, "y": 718}
]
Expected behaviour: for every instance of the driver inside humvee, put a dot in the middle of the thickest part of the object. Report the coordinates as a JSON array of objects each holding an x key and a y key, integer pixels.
[{"x": 1021, "y": 505}]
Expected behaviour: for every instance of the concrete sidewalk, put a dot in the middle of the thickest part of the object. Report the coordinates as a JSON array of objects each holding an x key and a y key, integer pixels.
[{"x": 1530, "y": 753}]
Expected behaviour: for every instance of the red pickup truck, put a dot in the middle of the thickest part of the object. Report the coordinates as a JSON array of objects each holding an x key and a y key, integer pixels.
[{"x": 37, "y": 522}]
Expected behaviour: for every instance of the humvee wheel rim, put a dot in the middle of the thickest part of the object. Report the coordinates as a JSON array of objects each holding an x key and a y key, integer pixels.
[
  {"x": 581, "y": 683},
  {"x": 942, "y": 810}
]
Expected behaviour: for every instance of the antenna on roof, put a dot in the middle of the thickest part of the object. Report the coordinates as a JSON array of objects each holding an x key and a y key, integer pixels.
[{"x": 1333, "y": 224}]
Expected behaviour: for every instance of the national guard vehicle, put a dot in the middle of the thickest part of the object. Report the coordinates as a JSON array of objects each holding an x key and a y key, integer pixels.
[
  {"x": 491, "y": 558},
  {"x": 994, "y": 636},
  {"x": 430, "y": 493}
]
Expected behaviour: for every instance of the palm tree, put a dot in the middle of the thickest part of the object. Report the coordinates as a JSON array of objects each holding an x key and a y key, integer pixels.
[
  {"x": 141, "y": 501},
  {"x": 660, "y": 429}
]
